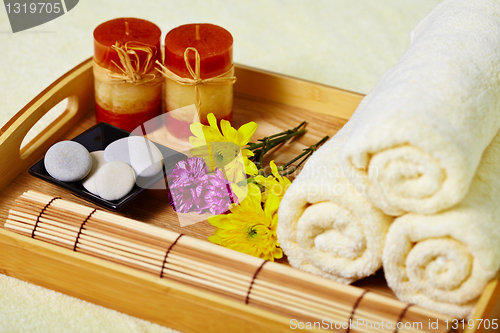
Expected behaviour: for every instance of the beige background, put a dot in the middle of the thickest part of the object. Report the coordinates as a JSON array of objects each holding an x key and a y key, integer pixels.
[{"x": 343, "y": 43}]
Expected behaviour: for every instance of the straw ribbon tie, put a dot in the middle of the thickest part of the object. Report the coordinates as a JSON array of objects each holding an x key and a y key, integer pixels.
[
  {"x": 132, "y": 70},
  {"x": 196, "y": 80}
]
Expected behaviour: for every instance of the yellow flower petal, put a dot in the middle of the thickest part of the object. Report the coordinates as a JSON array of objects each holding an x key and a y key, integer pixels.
[
  {"x": 212, "y": 121},
  {"x": 234, "y": 169},
  {"x": 274, "y": 170},
  {"x": 229, "y": 133},
  {"x": 278, "y": 253},
  {"x": 274, "y": 184},
  {"x": 245, "y": 133},
  {"x": 248, "y": 228},
  {"x": 215, "y": 239},
  {"x": 247, "y": 152},
  {"x": 240, "y": 192},
  {"x": 197, "y": 130},
  {"x": 254, "y": 191},
  {"x": 251, "y": 168},
  {"x": 272, "y": 205}
]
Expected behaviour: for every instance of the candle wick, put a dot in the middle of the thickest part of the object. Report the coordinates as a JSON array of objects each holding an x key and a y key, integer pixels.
[
  {"x": 127, "y": 32},
  {"x": 197, "y": 32}
]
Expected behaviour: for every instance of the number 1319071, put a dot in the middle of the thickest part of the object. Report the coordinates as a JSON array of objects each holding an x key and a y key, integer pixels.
[{"x": 40, "y": 7}]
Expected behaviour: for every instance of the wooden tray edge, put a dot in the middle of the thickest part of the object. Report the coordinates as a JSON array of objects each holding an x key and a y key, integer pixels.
[
  {"x": 80, "y": 100},
  {"x": 311, "y": 96}
]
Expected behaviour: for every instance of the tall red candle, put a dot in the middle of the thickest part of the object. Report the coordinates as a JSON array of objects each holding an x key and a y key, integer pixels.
[
  {"x": 214, "y": 45},
  {"x": 127, "y": 88}
]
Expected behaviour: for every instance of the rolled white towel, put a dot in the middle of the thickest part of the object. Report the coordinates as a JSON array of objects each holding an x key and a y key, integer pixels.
[
  {"x": 444, "y": 261},
  {"x": 326, "y": 226},
  {"x": 417, "y": 143}
]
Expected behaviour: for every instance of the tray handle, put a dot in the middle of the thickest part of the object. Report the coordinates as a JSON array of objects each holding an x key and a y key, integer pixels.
[{"x": 78, "y": 86}]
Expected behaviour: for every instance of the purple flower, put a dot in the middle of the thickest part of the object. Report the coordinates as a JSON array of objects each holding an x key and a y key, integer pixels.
[
  {"x": 190, "y": 170},
  {"x": 219, "y": 195},
  {"x": 188, "y": 185},
  {"x": 193, "y": 189}
]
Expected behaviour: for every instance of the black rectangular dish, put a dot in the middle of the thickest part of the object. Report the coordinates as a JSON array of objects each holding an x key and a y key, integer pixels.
[{"x": 98, "y": 137}]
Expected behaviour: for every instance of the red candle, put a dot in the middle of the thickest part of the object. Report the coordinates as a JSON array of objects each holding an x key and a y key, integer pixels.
[
  {"x": 215, "y": 48},
  {"x": 127, "y": 86}
]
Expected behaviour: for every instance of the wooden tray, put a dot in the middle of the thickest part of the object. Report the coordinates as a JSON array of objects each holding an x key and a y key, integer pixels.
[{"x": 275, "y": 102}]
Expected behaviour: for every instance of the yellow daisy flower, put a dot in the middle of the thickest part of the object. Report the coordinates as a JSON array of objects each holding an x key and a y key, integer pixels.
[
  {"x": 274, "y": 184},
  {"x": 249, "y": 228},
  {"x": 224, "y": 150}
]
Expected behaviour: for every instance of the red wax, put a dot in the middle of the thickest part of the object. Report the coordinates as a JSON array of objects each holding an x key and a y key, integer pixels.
[
  {"x": 214, "y": 44},
  {"x": 127, "y": 105},
  {"x": 125, "y": 122},
  {"x": 215, "y": 47},
  {"x": 110, "y": 32}
]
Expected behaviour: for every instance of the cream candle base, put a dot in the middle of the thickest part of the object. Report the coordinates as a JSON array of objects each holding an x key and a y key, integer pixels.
[
  {"x": 216, "y": 99},
  {"x": 128, "y": 105},
  {"x": 128, "y": 98}
]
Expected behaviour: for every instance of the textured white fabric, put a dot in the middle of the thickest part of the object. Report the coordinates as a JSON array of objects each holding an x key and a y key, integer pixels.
[
  {"x": 443, "y": 261},
  {"x": 326, "y": 226},
  {"x": 343, "y": 43},
  {"x": 418, "y": 142},
  {"x": 25, "y": 307}
]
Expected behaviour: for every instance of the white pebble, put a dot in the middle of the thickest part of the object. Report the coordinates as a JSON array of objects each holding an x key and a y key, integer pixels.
[
  {"x": 114, "y": 180},
  {"x": 97, "y": 162},
  {"x": 141, "y": 154},
  {"x": 68, "y": 161}
]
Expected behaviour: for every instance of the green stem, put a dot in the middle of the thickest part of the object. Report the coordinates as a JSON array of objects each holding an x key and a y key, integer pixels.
[
  {"x": 267, "y": 145},
  {"x": 295, "y": 129},
  {"x": 307, "y": 151},
  {"x": 289, "y": 172},
  {"x": 263, "y": 151},
  {"x": 274, "y": 142},
  {"x": 285, "y": 170}
]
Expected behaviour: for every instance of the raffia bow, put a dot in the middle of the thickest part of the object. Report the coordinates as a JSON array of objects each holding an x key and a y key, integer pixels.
[
  {"x": 132, "y": 70},
  {"x": 221, "y": 79}
]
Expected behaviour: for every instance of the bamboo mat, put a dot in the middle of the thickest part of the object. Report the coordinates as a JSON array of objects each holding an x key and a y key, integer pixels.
[{"x": 209, "y": 267}]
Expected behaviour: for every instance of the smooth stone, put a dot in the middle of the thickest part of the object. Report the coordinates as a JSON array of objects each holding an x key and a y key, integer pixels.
[
  {"x": 114, "y": 180},
  {"x": 140, "y": 153},
  {"x": 68, "y": 161},
  {"x": 97, "y": 163}
]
